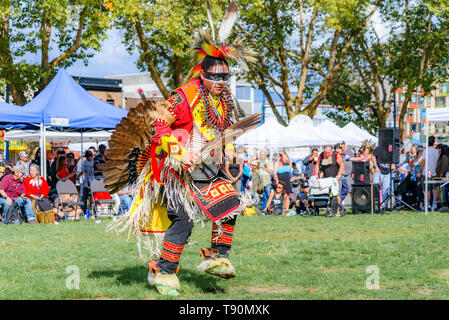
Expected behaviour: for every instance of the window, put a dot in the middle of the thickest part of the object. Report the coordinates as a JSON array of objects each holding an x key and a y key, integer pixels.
[
  {"x": 414, "y": 127},
  {"x": 411, "y": 114},
  {"x": 444, "y": 87},
  {"x": 243, "y": 93},
  {"x": 110, "y": 101},
  {"x": 401, "y": 97},
  {"x": 440, "y": 102},
  {"x": 413, "y": 98}
]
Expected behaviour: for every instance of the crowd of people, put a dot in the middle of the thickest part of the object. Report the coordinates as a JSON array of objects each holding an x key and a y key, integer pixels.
[
  {"x": 21, "y": 183},
  {"x": 283, "y": 186}
]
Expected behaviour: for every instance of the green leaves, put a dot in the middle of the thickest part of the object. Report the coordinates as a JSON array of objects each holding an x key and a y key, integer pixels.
[{"x": 42, "y": 35}]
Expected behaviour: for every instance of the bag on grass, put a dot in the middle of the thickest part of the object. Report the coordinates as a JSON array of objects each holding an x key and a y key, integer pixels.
[
  {"x": 14, "y": 215},
  {"x": 43, "y": 210}
]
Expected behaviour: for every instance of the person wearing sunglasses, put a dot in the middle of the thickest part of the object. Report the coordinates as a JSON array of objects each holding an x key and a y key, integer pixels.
[
  {"x": 198, "y": 112},
  {"x": 278, "y": 202}
]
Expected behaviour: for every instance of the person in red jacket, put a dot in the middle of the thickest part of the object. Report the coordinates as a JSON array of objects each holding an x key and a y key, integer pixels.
[{"x": 36, "y": 187}]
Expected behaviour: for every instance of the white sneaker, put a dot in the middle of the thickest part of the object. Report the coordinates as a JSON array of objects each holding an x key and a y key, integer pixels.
[{"x": 434, "y": 207}]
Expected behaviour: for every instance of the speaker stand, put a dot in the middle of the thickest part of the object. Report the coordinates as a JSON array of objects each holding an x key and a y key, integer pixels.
[{"x": 391, "y": 196}]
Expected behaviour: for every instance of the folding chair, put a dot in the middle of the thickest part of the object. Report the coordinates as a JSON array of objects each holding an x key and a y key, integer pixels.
[
  {"x": 64, "y": 188},
  {"x": 102, "y": 202}
]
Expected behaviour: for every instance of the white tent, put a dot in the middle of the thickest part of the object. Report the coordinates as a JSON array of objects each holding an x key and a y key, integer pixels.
[
  {"x": 354, "y": 130},
  {"x": 302, "y": 133},
  {"x": 432, "y": 115},
  {"x": 57, "y": 136},
  {"x": 339, "y": 134},
  {"x": 269, "y": 134}
]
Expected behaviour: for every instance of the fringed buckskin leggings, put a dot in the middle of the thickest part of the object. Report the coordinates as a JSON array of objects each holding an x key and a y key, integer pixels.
[{"x": 179, "y": 231}]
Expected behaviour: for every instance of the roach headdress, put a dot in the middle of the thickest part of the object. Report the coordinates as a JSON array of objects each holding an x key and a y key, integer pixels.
[{"x": 207, "y": 44}]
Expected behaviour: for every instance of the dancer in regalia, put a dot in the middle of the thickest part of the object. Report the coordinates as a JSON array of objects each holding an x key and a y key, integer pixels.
[{"x": 171, "y": 153}]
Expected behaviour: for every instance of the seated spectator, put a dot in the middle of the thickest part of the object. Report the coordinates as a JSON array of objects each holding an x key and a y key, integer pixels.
[
  {"x": 25, "y": 162},
  {"x": 279, "y": 201},
  {"x": 126, "y": 200},
  {"x": 302, "y": 198},
  {"x": 62, "y": 169},
  {"x": 12, "y": 191},
  {"x": 53, "y": 171},
  {"x": 71, "y": 166},
  {"x": 36, "y": 188}
]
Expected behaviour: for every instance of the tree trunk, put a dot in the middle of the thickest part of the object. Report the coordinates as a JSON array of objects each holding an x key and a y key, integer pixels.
[{"x": 149, "y": 62}]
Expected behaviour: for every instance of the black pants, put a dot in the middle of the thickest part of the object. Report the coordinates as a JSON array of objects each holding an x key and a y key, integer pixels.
[{"x": 179, "y": 231}]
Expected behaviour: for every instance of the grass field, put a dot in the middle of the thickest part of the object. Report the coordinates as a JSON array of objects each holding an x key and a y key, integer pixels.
[{"x": 283, "y": 257}]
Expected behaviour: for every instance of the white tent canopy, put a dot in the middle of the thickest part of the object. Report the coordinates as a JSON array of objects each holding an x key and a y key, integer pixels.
[
  {"x": 437, "y": 115},
  {"x": 269, "y": 134},
  {"x": 57, "y": 136},
  {"x": 339, "y": 134},
  {"x": 362, "y": 134},
  {"x": 301, "y": 132},
  {"x": 432, "y": 115}
]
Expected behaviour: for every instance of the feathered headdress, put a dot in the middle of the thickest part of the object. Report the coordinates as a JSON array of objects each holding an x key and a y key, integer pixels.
[
  {"x": 207, "y": 45},
  {"x": 367, "y": 145}
]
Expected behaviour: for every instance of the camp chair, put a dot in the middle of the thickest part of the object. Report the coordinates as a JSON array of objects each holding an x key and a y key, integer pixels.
[
  {"x": 102, "y": 202},
  {"x": 64, "y": 188}
]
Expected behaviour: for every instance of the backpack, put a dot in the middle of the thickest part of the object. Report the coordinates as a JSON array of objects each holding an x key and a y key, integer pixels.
[{"x": 14, "y": 215}]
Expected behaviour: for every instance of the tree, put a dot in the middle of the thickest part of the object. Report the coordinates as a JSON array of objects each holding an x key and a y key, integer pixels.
[
  {"x": 52, "y": 33},
  {"x": 413, "y": 58},
  {"x": 302, "y": 45}
]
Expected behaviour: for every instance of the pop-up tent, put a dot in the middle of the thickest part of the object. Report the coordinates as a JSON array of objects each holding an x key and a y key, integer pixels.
[
  {"x": 432, "y": 115},
  {"x": 12, "y": 114},
  {"x": 362, "y": 134},
  {"x": 64, "y": 103},
  {"x": 57, "y": 136},
  {"x": 339, "y": 134},
  {"x": 269, "y": 134}
]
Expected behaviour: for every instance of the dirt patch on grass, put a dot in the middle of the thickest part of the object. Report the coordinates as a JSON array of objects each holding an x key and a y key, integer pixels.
[
  {"x": 338, "y": 270},
  {"x": 425, "y": 291},
  {"x": 444, "y": 274},
  {"x": 268, "y": 290}
]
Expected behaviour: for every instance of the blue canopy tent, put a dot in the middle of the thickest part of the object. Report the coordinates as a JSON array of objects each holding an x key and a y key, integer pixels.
[{"x": 65, "y": 104}]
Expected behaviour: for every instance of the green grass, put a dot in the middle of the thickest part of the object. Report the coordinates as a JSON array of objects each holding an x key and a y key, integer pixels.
[{"x": 275, "y": 257}]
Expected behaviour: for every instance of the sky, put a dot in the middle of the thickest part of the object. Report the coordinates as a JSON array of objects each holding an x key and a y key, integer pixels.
[{"x": 113, "y": 59}]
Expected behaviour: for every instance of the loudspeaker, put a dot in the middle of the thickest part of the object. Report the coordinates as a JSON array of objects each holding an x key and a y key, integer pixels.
[
  {"x": 361, "y": 199},
  {"x": 361, "y": 172},
  {"x": 389, "y": 145}
]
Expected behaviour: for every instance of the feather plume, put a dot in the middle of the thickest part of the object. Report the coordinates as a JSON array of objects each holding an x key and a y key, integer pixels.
[
  {"x": 228, "y": 22},
  {"x": 211, "y": 21}
]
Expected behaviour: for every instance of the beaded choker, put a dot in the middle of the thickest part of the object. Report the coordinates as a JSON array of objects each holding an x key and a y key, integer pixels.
[{"x": 212, "y": 116}]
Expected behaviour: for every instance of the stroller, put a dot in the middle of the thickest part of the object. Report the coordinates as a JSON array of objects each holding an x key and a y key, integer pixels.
[{"x": 323, "y": 194}]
